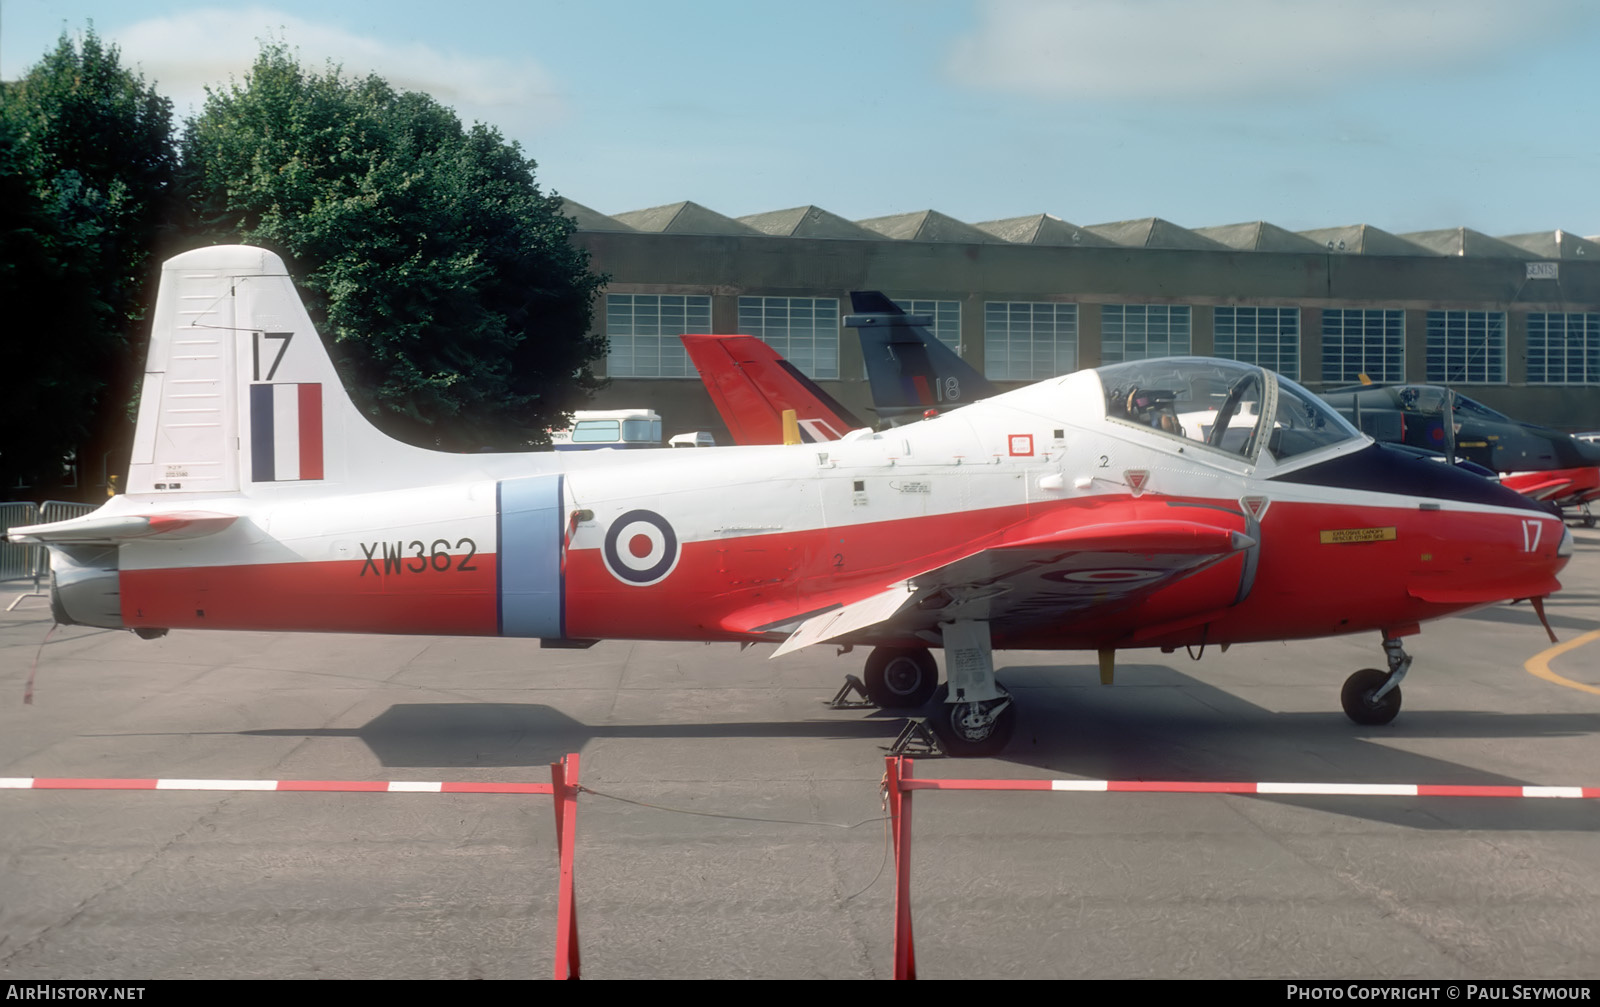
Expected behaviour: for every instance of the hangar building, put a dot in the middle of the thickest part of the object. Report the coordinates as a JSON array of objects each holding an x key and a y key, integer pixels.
[{"x": 1511, "y": 321}]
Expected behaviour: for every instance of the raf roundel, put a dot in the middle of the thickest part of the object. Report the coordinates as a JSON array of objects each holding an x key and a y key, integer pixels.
[{"x": 640, "y": 548}]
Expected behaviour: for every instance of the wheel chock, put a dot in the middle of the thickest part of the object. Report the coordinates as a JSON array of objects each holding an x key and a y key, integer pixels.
[
  {"x": 916, "y": 738},
  {"x": 842, "y": 700}
]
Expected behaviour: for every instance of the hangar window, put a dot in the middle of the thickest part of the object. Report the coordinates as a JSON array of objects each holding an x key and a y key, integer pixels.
[
  {"x": 1143, "y": 331},
  {"x": 1467, "y": 346},
  {"x": 1029, "y": 340},
  {"x": 804, "y": 330},
  {"x": 1563, "y": 348},
  {"x": 1357, "y": 341},
  {"x": 946, "y": 319},
  {"x": 1266, "y": 337},
  {"x": 642, "y": 333}
]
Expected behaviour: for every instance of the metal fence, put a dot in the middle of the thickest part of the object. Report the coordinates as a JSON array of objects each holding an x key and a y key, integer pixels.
[
  {"x": 18, "y": 560},
  {"x": 31, "y": 561}
]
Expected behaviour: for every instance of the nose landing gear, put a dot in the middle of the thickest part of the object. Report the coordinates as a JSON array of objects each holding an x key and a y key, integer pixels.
[{"x": 1372, "y": 697}]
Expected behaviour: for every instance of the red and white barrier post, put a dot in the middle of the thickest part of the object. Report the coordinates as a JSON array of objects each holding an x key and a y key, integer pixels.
[{"x": 564, "y": 789}]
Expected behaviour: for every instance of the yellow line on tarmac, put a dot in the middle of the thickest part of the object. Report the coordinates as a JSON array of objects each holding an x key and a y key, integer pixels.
[{"x": 1539, "y": 664}]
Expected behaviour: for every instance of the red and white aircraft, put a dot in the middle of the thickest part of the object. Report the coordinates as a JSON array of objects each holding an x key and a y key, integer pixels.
[{"x": 1071, "y": 514}]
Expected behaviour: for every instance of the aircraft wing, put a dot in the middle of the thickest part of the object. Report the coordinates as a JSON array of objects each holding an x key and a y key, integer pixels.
[
  {"x": 92, "y": 530},
  {"x": 751, "y": 386},
  {"x": 1046, "y": 578},
  {"x": 1542, "y": 489}
]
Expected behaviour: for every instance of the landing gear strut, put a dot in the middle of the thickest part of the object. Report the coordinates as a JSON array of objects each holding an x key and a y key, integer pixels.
[
  {"x": 975, "y": 716},
  {"x": 1372, "y": 697}
]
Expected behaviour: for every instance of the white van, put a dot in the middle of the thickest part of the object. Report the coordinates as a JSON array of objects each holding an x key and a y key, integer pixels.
[{"x": 698, "y": 439}]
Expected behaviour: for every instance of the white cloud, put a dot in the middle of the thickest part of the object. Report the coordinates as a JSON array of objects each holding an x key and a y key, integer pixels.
[
  {"x": 1198, "y": 49},
  {"x": 186, "y": 52}
]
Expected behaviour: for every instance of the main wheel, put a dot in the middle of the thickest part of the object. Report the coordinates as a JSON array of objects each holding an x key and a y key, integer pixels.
[
  {"x": 1357, "y": 695},
  {"x": 973, "y": 729},
  {"x": 901, "y": 677}
]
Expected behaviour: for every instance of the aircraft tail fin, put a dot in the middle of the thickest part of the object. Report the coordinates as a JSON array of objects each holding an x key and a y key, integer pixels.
[
  {"x": 909, "y": 370},
  {"x": 752, "y": 386},
  {"x": 240, "y": 395}
]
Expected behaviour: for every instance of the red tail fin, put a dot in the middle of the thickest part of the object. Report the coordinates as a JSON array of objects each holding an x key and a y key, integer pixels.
[{"x": 751, "y": 386}]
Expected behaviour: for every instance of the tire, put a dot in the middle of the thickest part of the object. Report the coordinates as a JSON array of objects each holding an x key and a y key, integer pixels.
[
  {"x": 958, "y": 737},
  {"x": 900, "y": 677},
  {"x": 1357, "y": 698}
]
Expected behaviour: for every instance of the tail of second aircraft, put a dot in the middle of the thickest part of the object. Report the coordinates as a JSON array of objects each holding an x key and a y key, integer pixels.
[
  {"x": 752, "y": 386},
  {"x": 909, "y": 370}
]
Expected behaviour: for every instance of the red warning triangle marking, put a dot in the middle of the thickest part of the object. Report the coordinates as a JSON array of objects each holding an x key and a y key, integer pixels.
[
  {"x": 1137, "y": 478},
  {"x": 1255, "y": 506}
]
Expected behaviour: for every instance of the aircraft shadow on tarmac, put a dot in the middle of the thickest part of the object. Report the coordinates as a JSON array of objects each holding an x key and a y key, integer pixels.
[
  {"x": 1156, "y": 724},
  {"x": 1560, "y": 611},
  {"x": 1176, "y": 727}
]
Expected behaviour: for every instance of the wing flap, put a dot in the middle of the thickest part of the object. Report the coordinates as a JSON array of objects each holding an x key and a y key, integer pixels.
[{"x": 869, "y": 611}]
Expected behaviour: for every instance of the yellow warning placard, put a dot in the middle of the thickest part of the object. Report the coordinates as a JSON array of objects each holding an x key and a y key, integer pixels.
[{"x": 1342, "y": 535}]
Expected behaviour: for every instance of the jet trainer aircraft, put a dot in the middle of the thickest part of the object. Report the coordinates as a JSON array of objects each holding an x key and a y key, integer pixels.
[
  {"x": 1081, "y": 512},
  {"x": 1536, "y": 461}
]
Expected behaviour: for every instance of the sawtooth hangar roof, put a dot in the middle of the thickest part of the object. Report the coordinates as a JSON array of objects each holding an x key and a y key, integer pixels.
[{"x": 1044, "y": 229}]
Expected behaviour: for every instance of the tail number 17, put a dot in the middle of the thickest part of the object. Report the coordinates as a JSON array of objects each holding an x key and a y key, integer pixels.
[
  {"x": 1530, "y": 535},
  {"x": 255, "y": 352}
]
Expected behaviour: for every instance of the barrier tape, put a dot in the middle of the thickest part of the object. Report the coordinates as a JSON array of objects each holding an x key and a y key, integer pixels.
[
  {"x": 563, "y": 786},
  {"x": 330, "y": 786},
  {"x": 1275, "y": 789},
  {"x": 899, "y": 784}
]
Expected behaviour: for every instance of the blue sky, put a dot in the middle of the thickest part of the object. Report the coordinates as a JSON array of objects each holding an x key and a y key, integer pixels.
[{"x": 1404, "y": 114}]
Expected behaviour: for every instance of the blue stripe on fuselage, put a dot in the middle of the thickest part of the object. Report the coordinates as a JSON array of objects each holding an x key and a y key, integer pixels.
[{"x": 529, "y": 526}]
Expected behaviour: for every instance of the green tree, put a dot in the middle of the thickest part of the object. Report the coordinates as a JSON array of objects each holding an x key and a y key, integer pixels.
[
  {"x": 88, "y": 171},
  {"x": 458, "y": 308},
  {"x": 61, "y": 337}
]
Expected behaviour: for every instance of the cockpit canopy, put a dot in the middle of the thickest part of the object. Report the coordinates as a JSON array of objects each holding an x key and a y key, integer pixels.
[{"x": 1220, "y": 403}]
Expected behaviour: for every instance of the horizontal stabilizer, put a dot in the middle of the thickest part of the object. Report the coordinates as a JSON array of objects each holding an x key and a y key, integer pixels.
[{"x": 91, "y": 530}]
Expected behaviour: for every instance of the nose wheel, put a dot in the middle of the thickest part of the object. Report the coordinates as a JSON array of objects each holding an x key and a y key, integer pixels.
[
  {"x": 1371, "y": 697},
  {"x": 1362, "y": 703}
]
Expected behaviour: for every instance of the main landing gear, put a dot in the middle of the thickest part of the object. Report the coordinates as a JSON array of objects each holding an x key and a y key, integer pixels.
[
  {"x": 1372, "y": 697},
  {"x": 900, "y": 677},
  {"x": 972, "y": 714}
]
